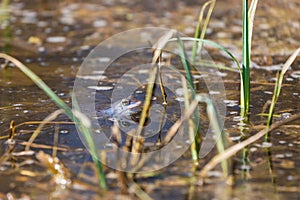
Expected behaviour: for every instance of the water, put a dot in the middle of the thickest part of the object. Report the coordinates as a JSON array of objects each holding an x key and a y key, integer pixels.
[{"x": 54, "y": 38}]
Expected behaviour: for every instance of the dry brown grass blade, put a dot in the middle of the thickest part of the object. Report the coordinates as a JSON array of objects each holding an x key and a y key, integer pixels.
[
  {"x": 157, "y": 48},
  {"x": 290, "y": 60},
  {"x": 30, "y": 123},
  {"x": 251, "y": 15},
  {"x": 44, "y": 146},
  {"x": 135, "y": 189},
  {"x": 234, "y": 149},
  {"x": 173, "y": 130},
  {"x": 49, "y": 118},
  {"x": 12, "y": 128},
  {"x": 60, "y": 174},
  {"x": 160, "y": 44}
]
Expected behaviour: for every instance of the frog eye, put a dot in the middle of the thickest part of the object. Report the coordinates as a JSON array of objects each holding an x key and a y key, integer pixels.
[
  {"x": 125, "y": 102},
  {"x": 125, "y": 124}
]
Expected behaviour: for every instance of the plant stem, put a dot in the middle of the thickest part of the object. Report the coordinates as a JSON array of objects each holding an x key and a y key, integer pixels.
[{"x": 246, "y": 63}]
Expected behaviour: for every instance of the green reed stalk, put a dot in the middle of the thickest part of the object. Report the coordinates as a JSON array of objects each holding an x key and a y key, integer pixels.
[
  {"x": 75, "y": 116},
  {"x": 83, "y": 123},
  {"x": 201, "y": 28},
  {"x": 193, "y": 131},
  {"x": 5, "y": 24},
  {"x": 245, "y": 86},
  {"x": 277, "y": 88},
  {"x": 4, "y": 14},
  {"x": 191, "y": 125},
  {"x": 216, "y": 45},
  {"x": 231, "y": 151},
  {"x": 248, "y": 21},
  {"x": 214, "y": 120},
  {"x": 185, "y": 63}
]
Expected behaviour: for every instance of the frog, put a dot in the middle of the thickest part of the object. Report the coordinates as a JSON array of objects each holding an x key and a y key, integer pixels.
[{"x": 123, "y": 109}]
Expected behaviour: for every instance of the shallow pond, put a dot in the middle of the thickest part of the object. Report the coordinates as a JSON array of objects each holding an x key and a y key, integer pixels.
[{"x": 53, "y": 39}]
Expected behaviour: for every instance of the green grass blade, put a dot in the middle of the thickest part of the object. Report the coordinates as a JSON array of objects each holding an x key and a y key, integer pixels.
[
  {"x": 200, "y": 33},
  {"x": 75, "y": 116},
  {"x": 191, "y": 126},
  {"x": 195, "y": 143},
  {"x": 41, "y": 84},
  {"x": 216, "y": 45},
  {"x": 214, "y": 120},
  {"x": 246, "y": 63},
  {"x": 4, "y": 11},
  {"x": 83, "y": 123},
  {"x": 277, "y": 88},
  {"x": 185, "y": 63},
  {"x": 212, "y": 64},
  {"x": 231, "y": 151}
]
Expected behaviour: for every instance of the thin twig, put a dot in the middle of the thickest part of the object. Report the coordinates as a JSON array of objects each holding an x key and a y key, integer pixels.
[
  {"x": 173, "y": 130},
  {"x": 43, "y": 146},
  {"x": 234, "y": 149},
  {"x": 31, "y": 123},
  {"x": 49, "y": 118}
]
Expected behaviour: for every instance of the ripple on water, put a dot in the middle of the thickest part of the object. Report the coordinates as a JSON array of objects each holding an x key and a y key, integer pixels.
[
  {"x": 64, "y": 131},
  {"x": 295, "y": 74},
  {"x": 101, "y": 88},
  {"x": 237, "y": 118},
  {"x": 29, "y": 17},
  {"x": 286, "y": 115},
  {"x": 92, "y": 77},
  {"x": 245, "y": 167},
  {"x": 281, "y": 142},
  {"x": 231, "y": 103},
  {"x": 99, "y": 23},
  {"x": 269, "y": 68},
  {"x": 266, "y": 144},
  {"x": 236, "y": 138},
  {"x": 280, "y": 156},
  {"x": 56, "y": 39},
  {"x": 268, "y": 92}
]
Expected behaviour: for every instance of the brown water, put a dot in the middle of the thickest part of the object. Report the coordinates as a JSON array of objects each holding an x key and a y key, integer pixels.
[{"x": 53, "y": 38}]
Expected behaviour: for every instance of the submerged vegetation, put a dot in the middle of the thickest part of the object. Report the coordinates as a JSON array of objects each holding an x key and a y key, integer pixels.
[{"x": 188, "y": 59}]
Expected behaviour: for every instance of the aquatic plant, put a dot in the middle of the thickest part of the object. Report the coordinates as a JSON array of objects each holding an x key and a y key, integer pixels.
[
  {"x": 74, "y": 115},
  {"x": 215, "y": 121},
  {"x": 5, "y": 24},
  {"x": 231, "y": 151},
  {"x": 193, "y": 130},
  {"x": 248, "y": 20},
  {"x": 155, "y": 64},
  {"x": 224, "y": 154},
  {"x": 245, "y": 79},
  {"x": 201, "y": 27},
  {"x": 277, "y": 88}
]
